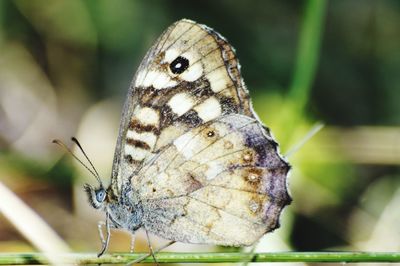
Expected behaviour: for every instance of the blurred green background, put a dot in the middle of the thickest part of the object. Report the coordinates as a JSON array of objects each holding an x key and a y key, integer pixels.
[{"x": 65, "y": 67}]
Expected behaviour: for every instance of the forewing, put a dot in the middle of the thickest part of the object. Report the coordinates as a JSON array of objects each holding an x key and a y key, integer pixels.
[
  {"x": 222, "y": 183},
  {"x": 189, "y": 77}
]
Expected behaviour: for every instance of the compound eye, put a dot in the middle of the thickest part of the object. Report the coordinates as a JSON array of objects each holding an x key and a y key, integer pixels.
[
  {"x": 179, "y": 65},
  {"x": 100, "y": 195}
]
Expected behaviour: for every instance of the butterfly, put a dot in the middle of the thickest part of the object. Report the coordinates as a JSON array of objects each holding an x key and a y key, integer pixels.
[{"x": 193, "y": 163}]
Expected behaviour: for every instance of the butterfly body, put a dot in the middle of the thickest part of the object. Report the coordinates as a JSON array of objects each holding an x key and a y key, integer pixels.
[{"x": 193, "y": 163}]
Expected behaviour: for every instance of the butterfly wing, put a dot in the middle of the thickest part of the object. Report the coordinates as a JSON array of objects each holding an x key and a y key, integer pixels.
[
  {"x": 220, "y": 183},
  {"x": 189, "y": 77}
]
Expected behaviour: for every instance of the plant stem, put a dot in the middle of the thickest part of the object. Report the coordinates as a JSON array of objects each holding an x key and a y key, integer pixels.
[
  {"x": 118, "y": 258},
  {"x": 307, "y": 51}
]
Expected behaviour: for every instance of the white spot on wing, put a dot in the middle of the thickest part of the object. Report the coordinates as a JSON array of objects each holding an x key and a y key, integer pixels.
[
  {"x": 147, "y": 115},
  {"x": 193, "y": 73},
  {"x": 218, "y": 79},
  {"x": 149, "y": 78},
  {"x": 171, "y": 55},
  {"x": 157, "y": 79},
  {"x": 254, "y": 206},
  {"x": 136, "y": 153},
  {"x": 209, "y": 109},
  {"x": 163, "y": 81},
  {"x": 139, "y": 78},
  {"x": 180, "y": 103},
  {"x": 253, "y": 177},
  {"x": 147, "y": 137}
]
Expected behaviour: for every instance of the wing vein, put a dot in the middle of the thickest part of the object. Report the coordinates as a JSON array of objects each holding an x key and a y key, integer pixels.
[{"x": 225, "y": 211}]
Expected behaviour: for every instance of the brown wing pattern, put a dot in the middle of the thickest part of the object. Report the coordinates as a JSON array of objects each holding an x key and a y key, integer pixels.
[
  {"x": 222, "y": 183},
  {"x": 189, "y": 77}
]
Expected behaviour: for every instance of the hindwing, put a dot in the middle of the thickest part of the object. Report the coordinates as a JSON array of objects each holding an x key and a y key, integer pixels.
[{"x": 220, "y": 183}]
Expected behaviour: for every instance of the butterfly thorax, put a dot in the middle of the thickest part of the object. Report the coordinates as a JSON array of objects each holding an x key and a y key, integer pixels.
[{"x": 124, "y": 211}]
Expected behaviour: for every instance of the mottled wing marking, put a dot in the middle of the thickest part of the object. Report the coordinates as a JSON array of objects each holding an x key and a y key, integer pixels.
[
  {"x": 162, "y": 104},
  {"x": 181, "y": 102},
  {"x": 218, "y": 177},
  {"x": 187, "y": 220},
  {"x": 209, "y": 109},
  {"x": 141, "y": 135}
]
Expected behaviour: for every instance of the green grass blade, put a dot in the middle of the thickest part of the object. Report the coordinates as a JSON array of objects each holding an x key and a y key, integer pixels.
[{"x": 308, "y": 51}]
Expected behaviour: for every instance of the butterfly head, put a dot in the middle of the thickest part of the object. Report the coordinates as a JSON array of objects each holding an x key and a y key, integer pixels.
[{"x": 97, "y": 196}]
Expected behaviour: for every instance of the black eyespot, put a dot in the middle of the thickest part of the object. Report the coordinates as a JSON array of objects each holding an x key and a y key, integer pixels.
[
  {"x": 210, "y": 133},
  {"x": 100, "y": 195},
  {"x": 179, "y": 65}
]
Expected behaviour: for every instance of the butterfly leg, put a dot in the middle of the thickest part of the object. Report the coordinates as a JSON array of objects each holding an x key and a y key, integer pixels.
[
  {"x": 252, "y": 254},
  {"x": 132, "y": 247},
  {"x": 148, "y": 255},
  {"x": 105, "y": 241},
  {"x": 151, "y": 247},
  {"x": 100, "y": 225}
]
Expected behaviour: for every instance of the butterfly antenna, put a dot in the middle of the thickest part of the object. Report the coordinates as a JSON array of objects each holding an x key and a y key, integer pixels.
[
  {"x": 87, "y": 158},
  {"x": 94, "y": 173},
  {"x": 314, "y": 130}
]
